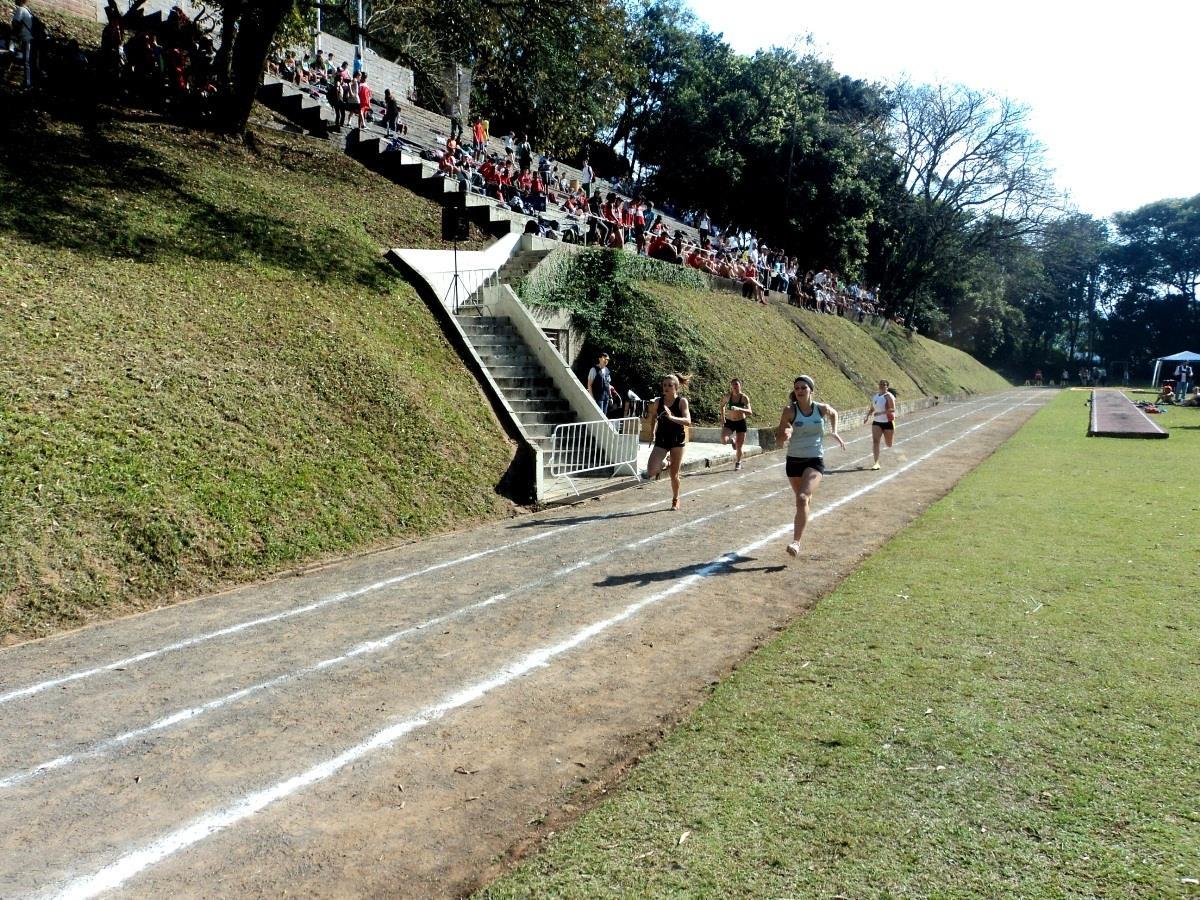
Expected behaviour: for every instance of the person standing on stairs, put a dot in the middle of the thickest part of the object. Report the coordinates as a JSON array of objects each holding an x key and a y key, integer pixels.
[
  {"x": 670, "y": 419},
  {"x": 364, "y": 101}
]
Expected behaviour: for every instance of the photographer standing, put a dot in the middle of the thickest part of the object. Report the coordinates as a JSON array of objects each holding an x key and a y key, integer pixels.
[{"x": 599, "y": 384}]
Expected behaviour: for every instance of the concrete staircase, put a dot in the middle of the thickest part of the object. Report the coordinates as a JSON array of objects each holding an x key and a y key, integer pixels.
[
  {"x": 519, "y": 266},
  {"x": 298, "y": 106},
  {"x": 529, "y": 392}
]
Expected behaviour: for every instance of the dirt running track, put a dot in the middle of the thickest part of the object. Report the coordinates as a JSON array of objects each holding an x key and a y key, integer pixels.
[{"x": 397, "y": 723}]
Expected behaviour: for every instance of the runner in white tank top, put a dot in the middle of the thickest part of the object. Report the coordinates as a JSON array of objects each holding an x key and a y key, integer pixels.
[
  {"x": 802, "y": 427},
  {"x": 882, "y": 416}
]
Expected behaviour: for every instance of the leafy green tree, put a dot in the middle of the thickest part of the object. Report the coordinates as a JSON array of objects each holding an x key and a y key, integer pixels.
[
  {"x": 973, "y": 174},
  {"x": 1160, "y": 247}
]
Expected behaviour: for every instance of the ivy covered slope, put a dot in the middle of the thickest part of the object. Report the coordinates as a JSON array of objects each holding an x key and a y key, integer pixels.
[
  {"x": 209, "y": 372},
  {"x": 657, "y": 318}
]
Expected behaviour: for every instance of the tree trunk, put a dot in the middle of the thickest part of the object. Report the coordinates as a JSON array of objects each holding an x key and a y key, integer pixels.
[
  {"x": 230, "y": 14},
  {"x": 256, "y": 30}
]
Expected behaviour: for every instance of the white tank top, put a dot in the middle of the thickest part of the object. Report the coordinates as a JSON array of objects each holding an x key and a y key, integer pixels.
[{"x": 879, "y": 402}]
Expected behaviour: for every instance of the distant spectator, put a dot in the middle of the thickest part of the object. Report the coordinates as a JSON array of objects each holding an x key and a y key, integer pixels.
[
  {"x": 1183, "y": 377},
  {"x": 599, "y": 384},
  {"x": 525, "y": 153},
  {"x": 364, "y": 101},
  {"x": 586, "y": 177},
  {"x": 22, "y": 38},
  {"x": 391, "y": 112},
  {"x": 478, "y": 139}
]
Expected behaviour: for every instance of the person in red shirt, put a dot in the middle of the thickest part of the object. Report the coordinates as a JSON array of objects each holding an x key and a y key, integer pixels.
[
  {"x": 364, "y": 100},
  {"x": 659, "y": 247},
  {"x": 479, "y": 137}
]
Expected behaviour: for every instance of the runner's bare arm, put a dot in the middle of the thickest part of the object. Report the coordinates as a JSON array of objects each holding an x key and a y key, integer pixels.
[
  {"x": 685, "y": 415},
  {"x": 832, "y": 415},
  {"x": 784, "y": 430}
]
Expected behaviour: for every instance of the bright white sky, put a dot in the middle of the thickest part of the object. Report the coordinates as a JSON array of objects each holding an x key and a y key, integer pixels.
[{"x": 1113, "y": 88}]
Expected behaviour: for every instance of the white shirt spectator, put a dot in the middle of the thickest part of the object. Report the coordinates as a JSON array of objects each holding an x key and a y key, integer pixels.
[{"x": 22, "y": 25}]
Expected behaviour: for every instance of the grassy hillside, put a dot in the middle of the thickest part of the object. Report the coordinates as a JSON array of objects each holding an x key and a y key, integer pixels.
[
  {"x": 209, "y": 371},
  {"x": 659, "y": 318}
]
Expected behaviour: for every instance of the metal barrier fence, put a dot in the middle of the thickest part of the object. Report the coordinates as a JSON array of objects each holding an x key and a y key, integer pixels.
[{"x": 583, "y": 447}]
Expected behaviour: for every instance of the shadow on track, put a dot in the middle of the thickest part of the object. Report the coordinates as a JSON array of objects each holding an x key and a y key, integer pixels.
[{"x": 730, "y": 567}]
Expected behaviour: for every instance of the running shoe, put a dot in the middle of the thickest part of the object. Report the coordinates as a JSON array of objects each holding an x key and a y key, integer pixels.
[
  {"x": 793, "y": 548},
  {"x": 737, "y": 467},
  {"x": 875, "y": 467}
]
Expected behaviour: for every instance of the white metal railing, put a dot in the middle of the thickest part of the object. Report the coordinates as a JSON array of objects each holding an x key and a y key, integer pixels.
[
  {"x": 461, "y": 288},
  {"x": 582, "y": 447}
]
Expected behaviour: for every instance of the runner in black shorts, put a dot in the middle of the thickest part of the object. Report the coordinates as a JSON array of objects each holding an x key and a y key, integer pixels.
[
  {"x": 670, "y": 417},
  {"x": 735, "y": 407},
  {"x": 802, "y": 425},
  {"x": 882, "y": 416}
]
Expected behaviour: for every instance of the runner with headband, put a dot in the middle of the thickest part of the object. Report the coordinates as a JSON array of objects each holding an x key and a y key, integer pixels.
[{"x": 802, "y": 426}]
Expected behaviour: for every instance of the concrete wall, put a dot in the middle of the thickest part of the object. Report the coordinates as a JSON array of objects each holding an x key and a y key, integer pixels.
[{"x": 381, "y": 73}]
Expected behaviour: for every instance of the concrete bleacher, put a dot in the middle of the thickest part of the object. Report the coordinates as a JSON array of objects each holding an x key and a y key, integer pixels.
[{"x": 429, "y": 130}]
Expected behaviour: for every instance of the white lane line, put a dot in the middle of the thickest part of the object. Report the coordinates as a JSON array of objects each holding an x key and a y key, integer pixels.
[
  {"x": 340, "y": 597},
  {"x": 375, "y": 645},
  {"x": 378, "y": 645},
  {"x": 134, "y": 862}
]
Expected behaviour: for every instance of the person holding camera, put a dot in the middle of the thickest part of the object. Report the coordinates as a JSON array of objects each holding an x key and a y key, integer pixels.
[
  {"x": 670, "y": 418},
  {"x": 599, "y": 384}
]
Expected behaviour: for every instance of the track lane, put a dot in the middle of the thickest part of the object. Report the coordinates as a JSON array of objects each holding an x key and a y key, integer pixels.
[{"x": 730, "y": 503}]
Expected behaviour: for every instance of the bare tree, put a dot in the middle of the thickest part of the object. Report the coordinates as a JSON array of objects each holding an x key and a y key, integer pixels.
[{"x": 973, "y": 173}]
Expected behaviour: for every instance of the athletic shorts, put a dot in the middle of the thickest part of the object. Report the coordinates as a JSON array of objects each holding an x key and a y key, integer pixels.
[
  {"x": 732, "y": 425},
  {"x": 886, "y": 426},
  {"x": 796, "y": 465},
  {"x": 669, "y": 444}
]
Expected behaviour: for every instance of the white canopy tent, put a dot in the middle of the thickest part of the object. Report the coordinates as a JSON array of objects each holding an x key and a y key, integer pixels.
[{"x": 1185, "y": 356}]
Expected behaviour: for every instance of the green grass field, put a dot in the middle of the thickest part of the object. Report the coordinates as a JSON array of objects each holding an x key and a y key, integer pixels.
[
  {"x": 210, "y": 372},
  {"x": 1003, "y": 702}
]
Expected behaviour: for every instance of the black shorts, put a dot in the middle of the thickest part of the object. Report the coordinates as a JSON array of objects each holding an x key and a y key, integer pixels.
[
  {"x": 669, "y": 443},
  {"x": 886, "y": 426},
  {"x": 735, "y": 425},
  {"x": 796, "y": 465}
]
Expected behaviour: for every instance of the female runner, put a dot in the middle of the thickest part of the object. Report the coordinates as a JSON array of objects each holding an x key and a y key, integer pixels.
[
  {"x": 882, "y": 417},
  {"x": 802, "y": 425},
  {"x": 670, "y": 416},
  {"x": 735, "y": 407}
]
